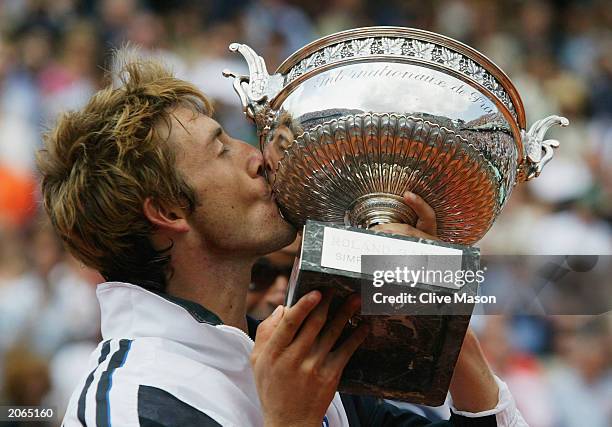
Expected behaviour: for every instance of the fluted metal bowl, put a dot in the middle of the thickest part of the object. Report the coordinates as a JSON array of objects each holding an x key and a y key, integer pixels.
[{"x": 352, "y": 121}]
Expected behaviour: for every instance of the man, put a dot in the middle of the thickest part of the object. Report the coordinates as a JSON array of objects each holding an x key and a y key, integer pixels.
[{"x": 144, "y": 186}]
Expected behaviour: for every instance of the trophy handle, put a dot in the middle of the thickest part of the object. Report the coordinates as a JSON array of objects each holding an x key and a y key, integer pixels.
[
  {"x": 538, "y": 150},
  {"x": 258, "y": 88}
]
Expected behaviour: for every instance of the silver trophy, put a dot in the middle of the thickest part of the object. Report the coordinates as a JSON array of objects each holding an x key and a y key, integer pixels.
[{"x": 352, "y": 121}]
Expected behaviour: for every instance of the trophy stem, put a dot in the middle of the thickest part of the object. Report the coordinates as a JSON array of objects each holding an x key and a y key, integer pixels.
[{"x": 379, "y": 208}]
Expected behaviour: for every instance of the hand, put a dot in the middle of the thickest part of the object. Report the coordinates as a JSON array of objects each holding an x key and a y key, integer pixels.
[
  {"x": 426, "y": 226},
  {"x": 296, "y": 373}
]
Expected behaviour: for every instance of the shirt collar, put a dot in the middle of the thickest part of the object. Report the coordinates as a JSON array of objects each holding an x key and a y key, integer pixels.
[
  {"x": 200, "y": 313},
  {"x": 204, "y": 315},
  {"x": 130, "y": 311}
]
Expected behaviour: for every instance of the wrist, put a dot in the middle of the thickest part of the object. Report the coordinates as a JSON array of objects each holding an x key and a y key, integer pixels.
[{"x": 473, "y": 386}]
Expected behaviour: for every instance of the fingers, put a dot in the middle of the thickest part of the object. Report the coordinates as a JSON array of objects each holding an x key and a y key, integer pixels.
[
  {"x": 427, "y": 216},
  {"x": 269, "y": 325},
  {"x": 292, "y": 320},
  {"x": 334, "y": 329},
  {"x": 266, "y": 329},
  {"x": 340, "y": 357},
  {"x": 426, "y": 226},
  {"x": 312, "y": 325}
]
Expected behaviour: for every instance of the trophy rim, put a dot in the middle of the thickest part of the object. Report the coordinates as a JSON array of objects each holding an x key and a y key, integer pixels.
[
  {"x": 429, "y": 36},
  {"x": 517, "y": 131}
]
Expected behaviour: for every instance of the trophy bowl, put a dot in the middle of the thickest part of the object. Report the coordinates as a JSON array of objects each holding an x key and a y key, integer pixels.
[{"x": 352, "y": 121}]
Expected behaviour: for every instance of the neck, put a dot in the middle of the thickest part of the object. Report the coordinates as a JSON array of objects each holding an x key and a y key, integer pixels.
[{"x": 219, "y": 283}]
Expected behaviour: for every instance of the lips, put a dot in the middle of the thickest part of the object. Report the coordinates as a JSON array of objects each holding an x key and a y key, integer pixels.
[{"x": 267, "y": 190}]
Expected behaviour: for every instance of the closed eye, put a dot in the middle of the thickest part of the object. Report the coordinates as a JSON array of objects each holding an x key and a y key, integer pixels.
[{"x": 220, "y": 138}]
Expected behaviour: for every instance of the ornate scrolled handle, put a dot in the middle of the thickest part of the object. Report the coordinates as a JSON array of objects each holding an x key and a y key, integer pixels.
[
  {"x": 239, "y": 81},
  {"x": 259, "y": 87},
  {"x": 538, "y": 150}
]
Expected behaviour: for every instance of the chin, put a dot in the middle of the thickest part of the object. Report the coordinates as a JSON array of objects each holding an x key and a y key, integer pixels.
[
  {"x": 280, "y": 234},
  {"x": 274, "y": 231},
  {"x": 286, "y": 233}
]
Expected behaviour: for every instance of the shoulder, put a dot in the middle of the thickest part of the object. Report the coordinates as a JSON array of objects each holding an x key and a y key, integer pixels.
[{"x": 141, "y": 383}]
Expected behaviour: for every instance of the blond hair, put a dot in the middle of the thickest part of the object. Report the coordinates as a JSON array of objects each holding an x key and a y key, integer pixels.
[{"x": 99, "y": 165}]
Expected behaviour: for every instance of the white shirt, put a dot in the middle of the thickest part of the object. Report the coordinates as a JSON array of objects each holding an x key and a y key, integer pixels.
[
  {"x": 150, "y": 342},
  {"x": 167, "y": 361}
]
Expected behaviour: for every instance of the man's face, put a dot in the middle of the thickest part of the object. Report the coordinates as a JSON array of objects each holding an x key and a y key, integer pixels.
[{"x": 236, "y": 212}]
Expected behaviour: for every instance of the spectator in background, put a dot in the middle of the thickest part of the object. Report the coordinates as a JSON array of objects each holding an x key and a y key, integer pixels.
[
  {"x": 49, "y": 305},
  {"x": 270, "y": 279},
  {"x": 266, "y": 17},
  {"x": 26, "y": 379},
  {"x": 581, "y": 379},
  {"x": 67, "y": 82},
  {"x": 18, "y": 290},
  {"x": 262, "y": 302},
  {"x": 262, "y": 277},
  {"x": 522, "y": 371},
  {"x": 18, "y": 140}
]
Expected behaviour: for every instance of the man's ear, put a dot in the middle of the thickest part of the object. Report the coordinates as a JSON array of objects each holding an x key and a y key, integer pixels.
[{"x": 165, "y": 218}]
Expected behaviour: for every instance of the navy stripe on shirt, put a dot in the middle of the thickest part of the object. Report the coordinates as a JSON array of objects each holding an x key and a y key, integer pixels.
[
  {"x": 89, "y": 380},
  {"x": 106, "y": 382},
  {"x": 158, "y": 408}
]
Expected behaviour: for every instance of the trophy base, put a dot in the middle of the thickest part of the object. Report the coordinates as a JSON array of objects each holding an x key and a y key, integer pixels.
[{"x": 405, "y": 357}]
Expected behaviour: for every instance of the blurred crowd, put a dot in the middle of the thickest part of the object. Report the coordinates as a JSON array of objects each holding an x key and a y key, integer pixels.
[{"x": 53, "y": 54}]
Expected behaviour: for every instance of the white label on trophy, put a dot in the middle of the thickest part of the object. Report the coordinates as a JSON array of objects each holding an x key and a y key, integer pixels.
[{"x": 342, "y": 250}]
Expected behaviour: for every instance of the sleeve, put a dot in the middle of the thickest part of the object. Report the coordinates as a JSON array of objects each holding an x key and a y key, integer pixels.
[
  {"x": 368, "y": 411},
  {"x": 506, "y": 413}
]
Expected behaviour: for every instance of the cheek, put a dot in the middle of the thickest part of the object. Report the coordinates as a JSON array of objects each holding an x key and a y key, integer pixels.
[
  {"x": 227, "y": 198},
  {"x": 222, "y": 208},
  {"x": 217, "y": 189}
]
